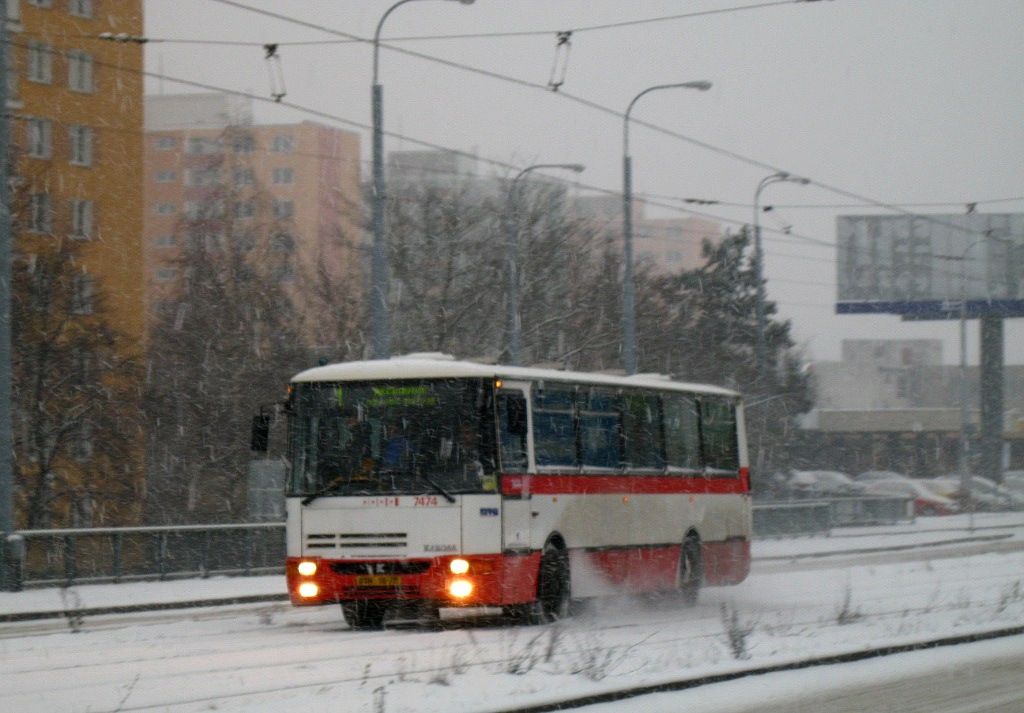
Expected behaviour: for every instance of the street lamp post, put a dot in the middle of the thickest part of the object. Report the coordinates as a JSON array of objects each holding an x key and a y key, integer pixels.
[
  {"x": 379, "y": 269},
  {"x": 759, "y": 305},
  {"x": 512, "y": 325},
  {"x": 628, "y": 286}
]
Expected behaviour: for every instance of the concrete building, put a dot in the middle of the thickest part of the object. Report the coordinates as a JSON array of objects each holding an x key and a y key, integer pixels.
[
  {"x": 300, "y": 182},
  {"x": 893, "y": 405},
  {"x": 75, "y": 123},
  {"x": 666, "y": 245}
]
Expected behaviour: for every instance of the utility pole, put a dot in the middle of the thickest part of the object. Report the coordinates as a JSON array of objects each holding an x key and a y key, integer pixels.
[{"x": 6, "y": 440}]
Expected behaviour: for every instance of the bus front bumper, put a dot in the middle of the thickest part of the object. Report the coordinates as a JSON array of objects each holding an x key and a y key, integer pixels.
[{"x": 488, "y": 580}]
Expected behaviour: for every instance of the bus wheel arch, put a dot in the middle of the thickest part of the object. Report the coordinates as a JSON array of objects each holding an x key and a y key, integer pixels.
[{"x": 691, "y": 569}]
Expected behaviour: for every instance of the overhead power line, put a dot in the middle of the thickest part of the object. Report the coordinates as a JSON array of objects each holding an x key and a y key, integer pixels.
[
  {"x": 505, "y": 165},
  {"x": 756, "y": 163},
  {"x": 472, "y": 35}
]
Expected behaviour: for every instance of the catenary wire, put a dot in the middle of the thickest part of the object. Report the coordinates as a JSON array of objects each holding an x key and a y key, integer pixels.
[{"x": 602, "y": 109}]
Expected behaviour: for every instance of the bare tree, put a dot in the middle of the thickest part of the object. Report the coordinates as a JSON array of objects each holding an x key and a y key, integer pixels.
[
  {"x": 225, "y": 342},
  {"x": 75, "y": 394}
]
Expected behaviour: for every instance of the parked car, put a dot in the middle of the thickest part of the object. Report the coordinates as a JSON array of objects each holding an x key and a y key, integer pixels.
[
  {"x": 824, "y": 483},
  {"x": 985, "y": 495},
  {"x": 925, "y": 501},
  {"x": 871, "y": 475}
]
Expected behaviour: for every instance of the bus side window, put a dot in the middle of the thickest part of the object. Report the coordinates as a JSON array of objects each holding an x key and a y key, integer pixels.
[
  {"x": 512, "y": 431},
  {"x": 601, "y": 428},
  {"x": 554, "y": 430},
  {"x": 718, "y": 429},
  {"x": 641, "y": 428},
  {"x": 682, "y": 432}
]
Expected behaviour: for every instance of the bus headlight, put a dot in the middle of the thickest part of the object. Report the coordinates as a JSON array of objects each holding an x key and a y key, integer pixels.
[
  {"x": 307, "y": 568},
  {"x": 460, "y": 588},
  {"x": 458, "y": 566},
  {"x": 308, "y": 590}
]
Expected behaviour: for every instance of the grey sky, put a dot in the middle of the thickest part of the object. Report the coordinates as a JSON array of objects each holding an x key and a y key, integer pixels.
[{"x": 900, "y": 100}]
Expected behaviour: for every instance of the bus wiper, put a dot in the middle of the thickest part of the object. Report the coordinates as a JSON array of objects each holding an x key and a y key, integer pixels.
[
  {"x": 435, "y": 485},
  {"x": 318, "y": 494}
]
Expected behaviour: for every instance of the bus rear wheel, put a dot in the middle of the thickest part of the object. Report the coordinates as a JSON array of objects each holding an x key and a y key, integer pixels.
[
  {"x": 363, "y": 615},
  {"x": 691, "y": 571},
  {"x": 553, "y": 590}
]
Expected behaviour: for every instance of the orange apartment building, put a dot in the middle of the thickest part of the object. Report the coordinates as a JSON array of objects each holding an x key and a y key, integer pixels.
[
  {"x": 302, "y": 180},
  {"x": 76, "y": 111}
]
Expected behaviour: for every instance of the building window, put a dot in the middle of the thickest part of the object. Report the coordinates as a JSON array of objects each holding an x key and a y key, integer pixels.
[
  {"x": 283, "y": 176},
  {"x": 39, "y": 216},
  {"x": 243, "y": 143},
  {"x": 165, "y": 241},
  {"x": 197, "y": 145},
  {"x": 166, "y": 176},
  {"x": 40, "y": 62},
  {"x": 81, "y": 145},
  {"x": 284, "y": 272},
  {"x": 165, "y": 143},
  {"x": 283, "y": 143},
  {"x": 282, "y": 243},
  {"x": 284, "y": 209},
  {"x": 81, "y": 294},
  {"x": 80, "y": 71},
  {"x": 245, "y": 177},
  {"x": 81, "y": 218},
  {"x": 245, "y": 209},
  {"x": 202, "y": 177},
  {"x": 14, "y": 10},
  {"x": 164, "y": 209},
  {"x": 82, "y": 452},
  {"x": 166, "y": 274},
  {"x": 80, "y": 8},
  {"x": 40, "y": 138},
  {"x": 13, "y": 95},
  {"x": 41, "y": 3},
  {"x": 81, "y": 366}
]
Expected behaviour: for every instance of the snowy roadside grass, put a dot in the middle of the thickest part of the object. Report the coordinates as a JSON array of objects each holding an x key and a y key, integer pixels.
[{"x": 306, "y": 660}]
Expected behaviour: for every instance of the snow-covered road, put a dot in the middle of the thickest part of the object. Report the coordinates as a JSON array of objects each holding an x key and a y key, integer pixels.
[{"x": 272, "y": 657}]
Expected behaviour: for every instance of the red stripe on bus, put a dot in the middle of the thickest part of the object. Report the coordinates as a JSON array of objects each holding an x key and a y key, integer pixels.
[{"x": 595, "y": 484}]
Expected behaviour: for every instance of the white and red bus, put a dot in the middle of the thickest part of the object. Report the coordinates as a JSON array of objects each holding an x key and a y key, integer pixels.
[{"x": 422, "y": 482}]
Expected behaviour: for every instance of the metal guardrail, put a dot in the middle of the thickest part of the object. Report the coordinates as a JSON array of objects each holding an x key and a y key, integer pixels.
[
  {"x": 812, "y": 517},
  {"x": 807, "y": 517},
  {"x": 40, "y": 558}
]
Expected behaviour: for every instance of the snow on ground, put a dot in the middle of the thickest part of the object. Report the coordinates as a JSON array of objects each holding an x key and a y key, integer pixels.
[
  {"x": 274, "y": 657},
  {"x": 824, "y": 688}
]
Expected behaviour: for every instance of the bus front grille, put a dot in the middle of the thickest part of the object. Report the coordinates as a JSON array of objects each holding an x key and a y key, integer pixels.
[
  {"x": 355, "y": 540},
  {"x": 384, "y": 567}
]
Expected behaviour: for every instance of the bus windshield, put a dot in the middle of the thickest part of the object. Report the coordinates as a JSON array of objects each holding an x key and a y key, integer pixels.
[{"x": 391, "y": 437}]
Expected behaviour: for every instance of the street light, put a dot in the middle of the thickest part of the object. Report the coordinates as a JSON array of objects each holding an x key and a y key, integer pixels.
[
  {"x": 759, "y": 305},
  {"x": 512, "y": 326},
  {"x": 628, "y": 287},
  {"x": 379, "y": 277}
]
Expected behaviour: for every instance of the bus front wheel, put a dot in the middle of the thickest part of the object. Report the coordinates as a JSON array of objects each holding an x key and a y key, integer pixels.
[{"x": 552, "y": 586}]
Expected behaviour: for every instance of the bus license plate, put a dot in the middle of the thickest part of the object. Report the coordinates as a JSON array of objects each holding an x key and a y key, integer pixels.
[{"x": 378, "y": 580}]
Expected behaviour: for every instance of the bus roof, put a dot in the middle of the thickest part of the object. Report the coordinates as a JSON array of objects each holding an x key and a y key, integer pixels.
[{"x": 440, "y": 366}]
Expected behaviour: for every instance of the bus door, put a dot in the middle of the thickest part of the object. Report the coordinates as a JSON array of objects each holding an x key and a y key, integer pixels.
[{"x": 514, "y": 436}]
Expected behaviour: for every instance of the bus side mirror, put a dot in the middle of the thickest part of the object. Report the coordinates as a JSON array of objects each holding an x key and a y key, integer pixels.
[
  {"x": 260, "y": 433},
  {"x": 516, "y": 411}
]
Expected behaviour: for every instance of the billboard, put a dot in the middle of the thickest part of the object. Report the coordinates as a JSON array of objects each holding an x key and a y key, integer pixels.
[{"x": 927, "y": 266}]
